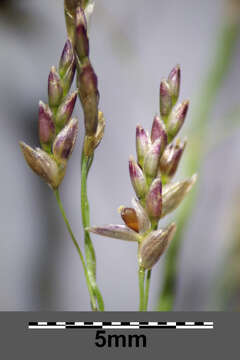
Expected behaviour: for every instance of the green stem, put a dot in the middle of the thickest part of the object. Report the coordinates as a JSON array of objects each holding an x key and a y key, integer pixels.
[
  {"x": 90, "y": 253},
  {"x": 147, "y": 286},
  {"x": 154, "y": 226},
  {"x": 141, "y": 277},
  {"x": 93, "y": 302},
  {"x": 221, "y": 63},
  {"x": 86, "y": 163}
]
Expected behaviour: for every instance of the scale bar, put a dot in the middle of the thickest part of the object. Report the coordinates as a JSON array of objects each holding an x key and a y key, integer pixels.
[{"x": 123, "y": 325}]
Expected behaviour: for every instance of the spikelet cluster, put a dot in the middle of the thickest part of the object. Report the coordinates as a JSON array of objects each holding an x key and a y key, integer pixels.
[
  {"x": 158, "y": 157},
  {"x": 57, "y": 130}
]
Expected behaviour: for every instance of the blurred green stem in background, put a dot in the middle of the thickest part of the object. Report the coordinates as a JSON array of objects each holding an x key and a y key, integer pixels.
[
  {"x": 225, "y": 47},
  {"x": 226, "y": 296}
]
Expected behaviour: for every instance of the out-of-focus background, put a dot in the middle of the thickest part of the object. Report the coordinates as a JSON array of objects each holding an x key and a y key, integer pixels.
[{"x": 134, "y": 44}]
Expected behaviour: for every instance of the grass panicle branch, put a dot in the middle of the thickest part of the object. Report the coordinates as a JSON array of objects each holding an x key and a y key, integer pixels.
[{"x": 158, "y": 157}]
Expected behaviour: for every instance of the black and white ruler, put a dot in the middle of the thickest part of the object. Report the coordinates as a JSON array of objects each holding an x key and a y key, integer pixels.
[{"x": 122, "y": 325}]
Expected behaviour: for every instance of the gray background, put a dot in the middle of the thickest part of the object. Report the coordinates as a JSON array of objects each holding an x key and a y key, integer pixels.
[{"x": 133, "y": 45}]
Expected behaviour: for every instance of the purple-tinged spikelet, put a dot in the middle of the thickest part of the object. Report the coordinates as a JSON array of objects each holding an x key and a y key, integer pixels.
[
  {"x": 174, "y": 80},
  {"x": 55, "y": 89},
  {"x": 177, "y": 118},
  {"x": 137, "y": 178},
  {"x": 174, "y": 193},
  {"x": 115, "y": 231},
  {"x": 165, "y": 99},
  {"x": 154, "y": 245},
  {"x": 65, "y": 141},
  {"x": 142, "y": 144},
  {"x": 89, "y": 97},
  {"x": 151, "y": 161},
  {"x": 67, "y": 58},
  {"x": 46, "y": 127},
  {"x": 43, "y": 165},
  {"x": 65, "y": 110},
  {"x": 81, "y": 38},
  {"x": 154, "y": 200},
  {"x": 159, "y": 131},
  {"x": 171, "y": 158}
]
